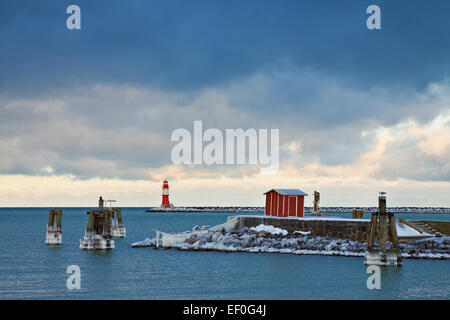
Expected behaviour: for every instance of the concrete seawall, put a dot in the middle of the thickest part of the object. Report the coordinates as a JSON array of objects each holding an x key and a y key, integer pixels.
[
  {"x": 332, "y": 227},
  {"x": 442, "y": 227},
  {"x": 352, "y": 229}
]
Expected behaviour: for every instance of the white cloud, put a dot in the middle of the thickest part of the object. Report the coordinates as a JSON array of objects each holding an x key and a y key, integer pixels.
[{"x": 329, "y": 134}]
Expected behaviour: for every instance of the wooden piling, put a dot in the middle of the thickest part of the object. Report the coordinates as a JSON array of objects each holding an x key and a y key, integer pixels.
[
  {"x": 58, "y": 219},
  {"x": 382, "y": 231},
  {"x": 357, "y": 214},
  {"x": 373, "y": 231},
  {"x": 379, "y": 225},
  {"x": 51, "y": 217},
  {"x": 54, "y": 233},
  {"x": 393, "y": 229}
]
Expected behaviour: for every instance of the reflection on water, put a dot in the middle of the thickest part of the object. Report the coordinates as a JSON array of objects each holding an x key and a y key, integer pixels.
[{"x": 391, "y": 279}]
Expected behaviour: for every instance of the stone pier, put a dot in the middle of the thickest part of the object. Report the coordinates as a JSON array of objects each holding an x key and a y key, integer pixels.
[{"x": 352, "y": 229}]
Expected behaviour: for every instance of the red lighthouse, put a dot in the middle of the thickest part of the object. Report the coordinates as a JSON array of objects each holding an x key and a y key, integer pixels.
[{"x": 165, "y": 194}]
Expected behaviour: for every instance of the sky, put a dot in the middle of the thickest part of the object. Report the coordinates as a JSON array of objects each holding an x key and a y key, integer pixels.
[{"x": 90, "y": 112}]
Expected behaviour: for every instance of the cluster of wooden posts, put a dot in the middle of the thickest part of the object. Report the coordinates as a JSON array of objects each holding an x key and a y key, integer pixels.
[
  {"x": 382, "y": 227},
  {"x": 104, "y": 224}
]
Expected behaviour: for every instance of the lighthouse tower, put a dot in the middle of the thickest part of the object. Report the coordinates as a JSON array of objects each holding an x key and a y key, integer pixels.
[{"x": 165, "y": 194}]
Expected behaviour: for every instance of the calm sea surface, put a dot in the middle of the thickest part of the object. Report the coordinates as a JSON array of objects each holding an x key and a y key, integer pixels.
[{"x": 31, "y": 270}]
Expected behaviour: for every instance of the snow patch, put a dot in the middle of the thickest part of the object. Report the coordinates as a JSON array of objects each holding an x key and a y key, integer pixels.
[
  {"x": 406, "y": 231},
  {"x": 146, "y": 243},
  {"x": 302, "y": 232},
  {"x": 269, "y": 229}
]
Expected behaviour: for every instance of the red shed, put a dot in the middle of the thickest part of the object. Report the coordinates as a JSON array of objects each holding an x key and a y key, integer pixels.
[{"x": 285, "y": 202}]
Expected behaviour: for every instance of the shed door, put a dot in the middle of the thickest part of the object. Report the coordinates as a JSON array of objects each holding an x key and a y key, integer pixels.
[
  {"x": 267, "y": 204},
  {"x": 300, "y": 204},
  {"x": 285, "y": 206},
  {"x": 292, "y": 206},
  {"x": 280, "y": 205},
  {"x": 273, "y": 200}
]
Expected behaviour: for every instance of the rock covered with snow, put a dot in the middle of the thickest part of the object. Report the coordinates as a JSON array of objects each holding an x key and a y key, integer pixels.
[
  {"x": 146, "y": 243},
  {"x": 302, "y": 232},
  {"x": 269, "y": 239},
  {"x": 269, "y": 229}
]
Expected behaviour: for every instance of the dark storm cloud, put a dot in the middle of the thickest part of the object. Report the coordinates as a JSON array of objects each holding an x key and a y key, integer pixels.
[{"x": 194, "y": 44}]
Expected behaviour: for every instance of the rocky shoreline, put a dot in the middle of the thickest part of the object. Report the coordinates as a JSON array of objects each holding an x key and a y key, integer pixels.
[{"x": 268, "y": 239}]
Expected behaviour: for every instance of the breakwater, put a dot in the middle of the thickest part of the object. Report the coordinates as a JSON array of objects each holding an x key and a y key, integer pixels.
[
  {"x": 352, "y": 229},
  {"x": 314, "y": 235},
  {"x": 335, "y": 227},
  {"x": 367, "y": 210},
  {"x": 308, "y": 210}
]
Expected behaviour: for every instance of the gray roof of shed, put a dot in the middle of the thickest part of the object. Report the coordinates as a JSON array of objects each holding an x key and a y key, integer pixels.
[{"x": 289, "y": 192}]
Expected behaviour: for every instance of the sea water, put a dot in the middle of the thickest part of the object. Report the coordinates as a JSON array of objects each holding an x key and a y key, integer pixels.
[{"x": 29, "y": 269}]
